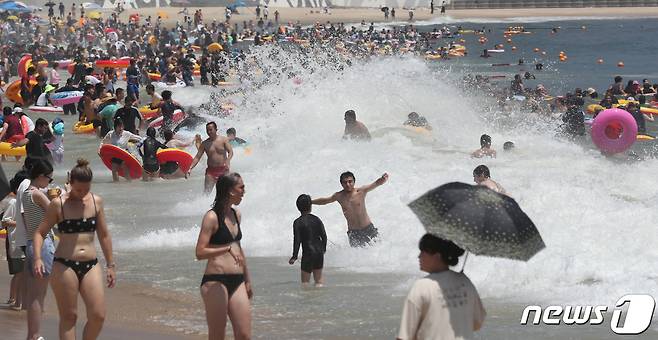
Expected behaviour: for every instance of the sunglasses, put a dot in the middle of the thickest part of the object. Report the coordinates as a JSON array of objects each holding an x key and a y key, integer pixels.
[{"x": 50, "y": 179}]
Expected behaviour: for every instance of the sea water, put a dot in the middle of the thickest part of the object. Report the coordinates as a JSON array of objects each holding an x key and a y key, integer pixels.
[{"x": 597, "y": 216}]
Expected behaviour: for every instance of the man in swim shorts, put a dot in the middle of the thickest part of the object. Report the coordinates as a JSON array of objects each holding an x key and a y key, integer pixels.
[
  {"x": 219, "y": 152},
  {"x": 352, "y": 200}
]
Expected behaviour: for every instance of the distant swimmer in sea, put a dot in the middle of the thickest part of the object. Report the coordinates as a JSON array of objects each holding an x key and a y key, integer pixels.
[
  {"x": 233, "y": 139},
  {"x": 354, "y": 129},
  {"x": 308, "y": 231},
  {"x": 219, "y": 152},
  {"x": 482, "y": 177},
  {"x": 416, "y": 120},
  {"x": 485, "y": 148},
  {"x": 508, "y": 146},
  {"x": 352, "y": 200}
]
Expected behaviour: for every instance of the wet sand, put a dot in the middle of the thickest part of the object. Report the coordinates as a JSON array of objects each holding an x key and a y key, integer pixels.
[
  {"x": 131, "y": 312},
  {"x": 354, "y": 15}
]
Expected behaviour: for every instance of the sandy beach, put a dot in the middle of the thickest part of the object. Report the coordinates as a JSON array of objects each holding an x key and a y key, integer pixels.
[
  {"x": 131, "y": 309},
  {"x": 354, "y": 15}
]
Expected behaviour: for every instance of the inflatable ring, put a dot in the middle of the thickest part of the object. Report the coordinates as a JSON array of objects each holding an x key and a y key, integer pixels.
[
  {"x": 23, "y": 65},
  {"x": 181, "y": 157},
  {"x": 155, "y": 76},
  {"x": 48, "y": 109},
  {"x": 109, "y": 151},
  {"x": 80, "y": 127},
  {"x": 121, "y": 63},
  {"x": 649, "y": 110},
  {"x": 148, "y": 113},
  {"x": 591, "y": 108},
  {"x": 3, "y": 233},
  {"x": 67, "y": 97},
  {"x": 614, "y": 131},
  {"x": 7, "y": 150},
  {"x": 13, "y": 91},
  {"x": 178, "y": 117},
  {"x": 214, "y": 47},
  {"x": 645, "y": 137}
]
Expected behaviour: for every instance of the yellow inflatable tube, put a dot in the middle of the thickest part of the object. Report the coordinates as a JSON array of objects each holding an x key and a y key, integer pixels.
[
  {"x": 7, "y": 150},
  {"x": 79, "y": 127}
]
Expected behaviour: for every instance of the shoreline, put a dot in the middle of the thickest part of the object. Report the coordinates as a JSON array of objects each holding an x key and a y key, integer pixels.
[
  {"x": 132, "y": 308},
  {"x": 421, "y": 15}
]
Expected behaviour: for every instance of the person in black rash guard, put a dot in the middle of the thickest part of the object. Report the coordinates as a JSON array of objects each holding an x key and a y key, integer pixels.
[
  {"x": 309, "y": 232},
  {"x": 128, "y": 114},
  {"x": 167, "y": 108},
  {"x": 148, "y": 151}
]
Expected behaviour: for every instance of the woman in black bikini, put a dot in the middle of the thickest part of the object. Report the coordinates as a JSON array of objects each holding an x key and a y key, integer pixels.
[
  {"x": 226, "y": 285},
  {"x": 78, "y": 214}
]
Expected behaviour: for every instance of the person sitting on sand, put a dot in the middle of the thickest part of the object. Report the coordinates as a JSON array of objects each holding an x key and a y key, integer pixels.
[
  {"x": 308, "y": 231},
  {"x": 444, "y": 304},
  {"x": 485, "y": 148},
  {"x": 416, "y": 120},
  {"x": 352, "y": 200},
  {"x": 233, "y": 139},
  {"x": 481, "y": 176},
  {"x": 354, "y": 129}
]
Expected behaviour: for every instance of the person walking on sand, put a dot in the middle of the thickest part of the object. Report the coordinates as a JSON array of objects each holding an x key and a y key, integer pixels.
[
  {"x": 219, "y": 152},
  {"x": 308, "y": 231},
  {"x": 226, "y": 285},
  {"x": 445, "y": 303},
  {"x": 79, "y": 215},
  {"x": 352, "y": 200},
  {"x": 354, "y": 129}
]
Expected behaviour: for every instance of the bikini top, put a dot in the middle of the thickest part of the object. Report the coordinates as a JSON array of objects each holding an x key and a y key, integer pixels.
[
  {"x": 78, "y": 225},
  {"x": 223, "y": 234}
]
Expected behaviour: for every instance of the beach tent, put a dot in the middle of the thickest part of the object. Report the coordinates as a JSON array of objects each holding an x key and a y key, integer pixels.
[
  {"x": 91, "y": 6},
  {"x": 15, "y": 7}
]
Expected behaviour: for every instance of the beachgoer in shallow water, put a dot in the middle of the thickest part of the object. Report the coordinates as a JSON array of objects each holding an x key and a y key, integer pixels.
[
  {"x": 481, "y": 176},
  {"x": 352, "y": 200},
  {"x": 485, "y": 148},
  {"x": 226, "y": 285},
  {"x": 34, "y": 205},
  {"x": 148, "y": 151},
  {"x": 308, "y": 231},
  {"x": 354, "y": 129},
  {"x": 219, "y": 152},
  {"x": 444, "y": 304},
  {"x": 171, "y": 170},
  {"x": 233, "y": 139},
  {"x": 79, "y": 214},
  {"x": 508, "y": 146},
  {"x": 416, "y": 120},
  {"x": 120, "y": 137}
]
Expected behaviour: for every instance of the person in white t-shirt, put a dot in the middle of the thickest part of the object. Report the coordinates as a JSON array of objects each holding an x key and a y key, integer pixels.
[{"x": 444, "y": 304}]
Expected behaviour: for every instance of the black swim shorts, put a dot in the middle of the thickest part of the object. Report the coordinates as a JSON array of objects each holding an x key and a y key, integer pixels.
[
  {"x": 362, "y": 237},
  {"x": 311, "y": 262}
]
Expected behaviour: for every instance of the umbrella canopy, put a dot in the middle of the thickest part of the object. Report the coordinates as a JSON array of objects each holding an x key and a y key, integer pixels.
[
  {"x": 91, "y": 6},
  {"x": 479, "y": 220},
  {"x": 94, "y": 15},
  {"x": 14, "y": 6},
  {"x": 49, "y": 4},
  {"x": 12, "y": 17}
]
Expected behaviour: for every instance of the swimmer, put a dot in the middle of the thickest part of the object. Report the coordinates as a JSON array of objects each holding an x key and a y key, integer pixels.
[
  {"x": 360, "y": 229},
  {"x": 308, "y": 231},
  {"x": 219, "y": 152},
  {"x": 233, "y": 139},
  {"x": 354, "y": 129},
  {"x": 485, "y": 148},
  {"x": 481, "y": 176},
  {"x": 148, "y": 151},
  {"x": 416, "y": 120},
  {"x": 508, "y": 146},
  {"x": 155, "y": 97}
]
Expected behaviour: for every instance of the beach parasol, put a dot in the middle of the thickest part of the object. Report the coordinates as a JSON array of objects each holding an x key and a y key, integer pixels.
[
  {"x": 14, "y": 6},
  {"x": 12, "y": 17},
  {"x": 49, "y": 4},
  {"x": 479, "y": 220},
  {"x": 94, "y": 15}
]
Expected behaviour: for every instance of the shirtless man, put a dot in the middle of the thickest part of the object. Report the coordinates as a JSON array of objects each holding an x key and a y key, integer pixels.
[
  {"x": 485, "y": 148},
  {"x": 360, "y": 229},
  {"x": 481, "y": 176},
  {"x": 354, "y": 129},
  {"x": 219, "y": 152}
]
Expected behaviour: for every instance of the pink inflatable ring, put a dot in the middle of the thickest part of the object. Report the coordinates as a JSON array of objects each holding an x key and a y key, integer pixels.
[{"x": 614, "y": 131}]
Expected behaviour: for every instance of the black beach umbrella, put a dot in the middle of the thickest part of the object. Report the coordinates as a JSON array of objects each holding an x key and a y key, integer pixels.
[
  {"x": 479, "y": 220},
  {"x": 49, "y": 4},
  {"x": 384, "y": 9}
]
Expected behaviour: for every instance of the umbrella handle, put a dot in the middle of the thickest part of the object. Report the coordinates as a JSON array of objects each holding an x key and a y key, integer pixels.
[{"x": 464, "y": 265}]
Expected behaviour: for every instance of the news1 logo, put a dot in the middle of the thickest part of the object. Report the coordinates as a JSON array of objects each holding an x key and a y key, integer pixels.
[{"x": 637, "y": 319}]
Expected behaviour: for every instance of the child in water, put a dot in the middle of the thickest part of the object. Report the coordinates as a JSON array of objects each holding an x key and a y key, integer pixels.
[{"x": 309, "y": 232}]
